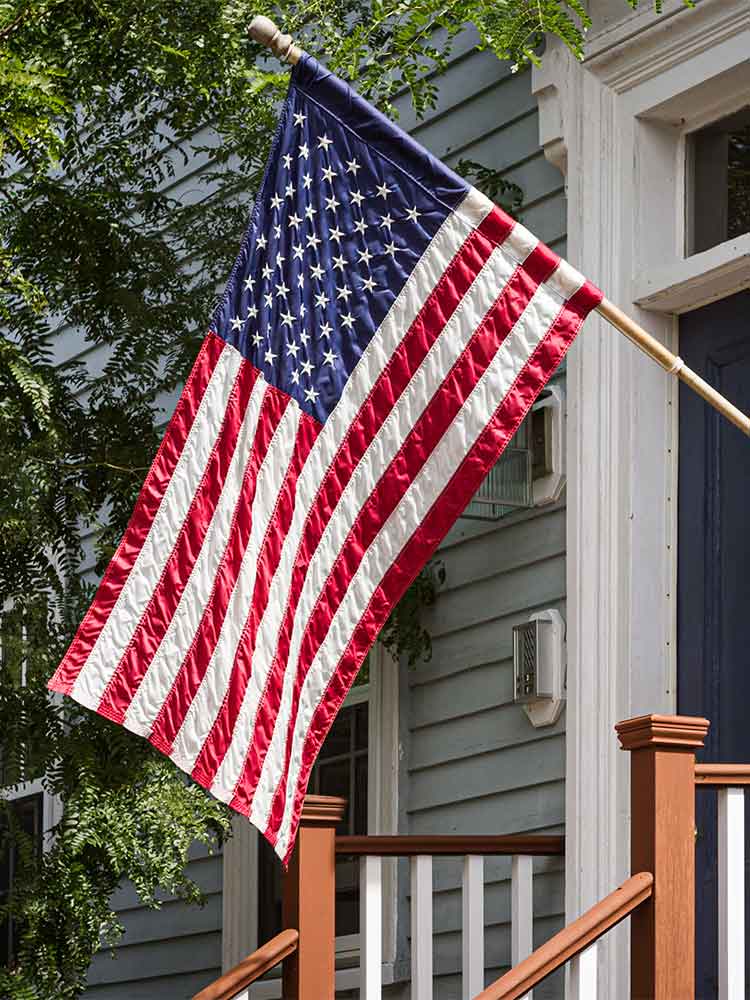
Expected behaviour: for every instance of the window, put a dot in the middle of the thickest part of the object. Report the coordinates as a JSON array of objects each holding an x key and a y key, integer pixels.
[
  {"x": 718, "y": 168},
  {"x": 341, "y": 769},
  {"x": 27, "y": 815}
]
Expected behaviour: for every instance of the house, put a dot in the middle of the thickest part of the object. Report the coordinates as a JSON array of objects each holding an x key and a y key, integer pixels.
[{"x": 640, "y": 547}]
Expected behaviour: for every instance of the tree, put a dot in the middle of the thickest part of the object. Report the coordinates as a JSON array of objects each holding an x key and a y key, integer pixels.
[{"x": 100, "y": 100}]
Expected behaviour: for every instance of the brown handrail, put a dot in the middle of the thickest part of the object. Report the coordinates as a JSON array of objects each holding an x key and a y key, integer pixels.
[
  {"x": 405, "y": 847},
  {"x": 571, "y": 940},
  {"x": 718, "y": 775},
  {"x": 251, "y": 968}
]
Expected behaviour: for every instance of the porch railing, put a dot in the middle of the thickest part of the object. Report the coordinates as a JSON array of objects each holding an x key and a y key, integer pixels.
[{"x": 659, "y": 897}]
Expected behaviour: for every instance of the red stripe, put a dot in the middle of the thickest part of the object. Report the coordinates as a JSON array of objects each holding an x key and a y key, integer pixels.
[
  {"x": 142, "y": 517},
  {"x": 215, "y": 746},
  {"x": 461, "y": 487},
  {"x": 395, "y": 376},
  {"x": 188, "y": 679},
  {"x": 167, "y": 593},
  {"x": 417, "y": 447}
]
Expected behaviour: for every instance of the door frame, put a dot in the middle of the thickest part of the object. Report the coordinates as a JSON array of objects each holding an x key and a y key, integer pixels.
[{"x": 616, "y": 128}]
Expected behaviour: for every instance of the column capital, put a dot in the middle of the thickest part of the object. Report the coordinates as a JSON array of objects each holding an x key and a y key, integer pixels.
[
  {"x": 322, "y": 810},
  {"x": 665, "y": 732}
]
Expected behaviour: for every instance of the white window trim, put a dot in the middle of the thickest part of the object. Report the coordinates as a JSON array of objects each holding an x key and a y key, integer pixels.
[
  {"x": 240, "y": 863},
  {"x": 638, "y": 93}
]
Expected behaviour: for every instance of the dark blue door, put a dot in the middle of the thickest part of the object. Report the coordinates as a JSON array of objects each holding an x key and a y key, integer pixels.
[{"x": 713, "y": 596}]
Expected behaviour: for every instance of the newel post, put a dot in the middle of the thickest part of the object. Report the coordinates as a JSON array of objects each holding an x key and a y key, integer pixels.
[
  {"x": 309, "y": 901},
  {"x": 662, "y": 794}
]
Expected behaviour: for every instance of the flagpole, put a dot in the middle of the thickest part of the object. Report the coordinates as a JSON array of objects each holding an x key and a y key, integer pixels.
[{"x": 266, "y": 33}]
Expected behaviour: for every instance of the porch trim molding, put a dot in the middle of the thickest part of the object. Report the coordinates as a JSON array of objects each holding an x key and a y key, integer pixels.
[{"x": 616, "y": 127}]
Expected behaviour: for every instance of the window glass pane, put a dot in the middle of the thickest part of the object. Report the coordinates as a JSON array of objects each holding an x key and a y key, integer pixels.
[
  {"x": 719, "y": 192},
  {"x": 27, "y": 813},
  {"x": 341, "y": 770}
]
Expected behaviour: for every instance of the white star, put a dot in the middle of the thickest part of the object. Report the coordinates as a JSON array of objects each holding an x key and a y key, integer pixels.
[
  {"x": 332, "y": 203},
  {"x": 237, "y": 323},
  {"x": 306, "y": 181},
  {"x": 352, "y": 166},
  {"x": 368, "y": 284},
  {"x": 326, "y": 330},
  {"x": 347, "y": 320},
  {"x": 302, "y": 308},
  {"x": 298, "y": 251},
  {"x": 386, "y": 220},
  {"x": 322, "y": 300},
  {"x": 252, "y": 312},
  {"x": 299, "y": 118},
  {"x": 383, "y": 190},
  {"x": 295, "y": 376},
  {"x": 304, "y": 151},
  {"x": 267, "y": 271},
  {"x": 294, "y": 220},
  {"x": 292, "y": 349},
  {"x": 289, "y": 190},
  {"x": 311, "y": 395},
  {"x": 310, "y": 212},
  {"x": 300, "y": 280},
  {"x": 339, "y": 263},
  {"x": 287, "y": 160},
  {"x": 329, "y": 358},
  {"x": 276, "y": 202},
  {"x": 313, "y": 240},
  {"x": 249, "y": 283},
  {"x": 257, "y": 338},
  {"x": 328, "y": 173},
  {"x": 316, "y": 271},
  {"x": 287, "y": 319},
  {"x": 357, "y": 198},
  {"x": 307, "y": 367},
  {"x": 277, "y": 232},
  {"x": 282, "y": 289},
  {"x": 360, "y": 225},
  {"x": 324, "y": 142},
  {"x": 270, "y": 356},
  {"x": 413, "y": 214},
  {"x": 261, "y": 241},
  {"x": 391, "y": 248},
  {"x": 304, "y": 336},
  {"x": 343, "y": 293},
  {"x": 268, "y": 300},
  {"x": 336, "y": 234},
  {"x": 280, "y": 258},
  {"x": 364, "y": 255}
]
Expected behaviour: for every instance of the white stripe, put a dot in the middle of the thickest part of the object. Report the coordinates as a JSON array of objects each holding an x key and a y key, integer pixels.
[
  {"x": 135, "y": 595},
  {"x": 426, "y": 381},
  {"x": 209, "y": 697},
  {"x": 444, "y": 246},
  {"x": 179, "y": 636},
  {"x": 422, "y": 493}
]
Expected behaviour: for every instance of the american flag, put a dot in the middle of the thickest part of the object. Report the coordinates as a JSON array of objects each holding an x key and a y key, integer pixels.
[{"x": 384, "y": 331}]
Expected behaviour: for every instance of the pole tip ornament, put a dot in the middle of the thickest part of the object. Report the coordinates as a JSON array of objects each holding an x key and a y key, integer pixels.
[{"x": 266, "y": 33}]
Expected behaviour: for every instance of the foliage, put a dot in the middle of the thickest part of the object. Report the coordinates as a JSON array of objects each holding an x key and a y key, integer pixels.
[{"x": 101, "y": 101}]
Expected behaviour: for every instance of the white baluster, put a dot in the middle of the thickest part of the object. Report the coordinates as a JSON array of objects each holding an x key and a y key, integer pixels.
[
  {"x": 731, "y": 894},
  {"x": 370, "y": 926},
  {"x": 583, "y": 975},
  {"x": 472, "y": 929},
  {"x": 522, "y": 911},
  {"x": 421, "y": 927}
]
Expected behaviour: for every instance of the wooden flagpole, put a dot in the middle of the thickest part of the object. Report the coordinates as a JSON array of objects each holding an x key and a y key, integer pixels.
[{"x": 264, "y": 31}]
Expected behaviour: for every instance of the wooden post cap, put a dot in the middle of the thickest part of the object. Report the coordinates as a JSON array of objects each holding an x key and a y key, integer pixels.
[
  {"x": 322, "y": 810},
  {"x": 666, "y": 731}
]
